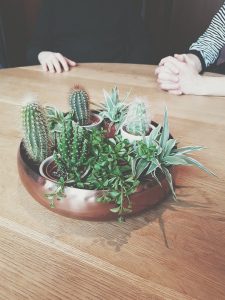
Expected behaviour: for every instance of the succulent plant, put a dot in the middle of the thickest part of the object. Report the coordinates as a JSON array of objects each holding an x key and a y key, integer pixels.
[
  {"x": 79, "y": 104},
  {"x": 137, "y": 121},
  {"x": 158, "y": 151},
  {"x": 36, "y": 140},
  {"x": 114, "y": 109}
]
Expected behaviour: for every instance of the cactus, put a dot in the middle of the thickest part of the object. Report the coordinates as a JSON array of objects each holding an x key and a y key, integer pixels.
[
  {"x": 72, "y": 151},
  {"x": 79, "y": 103},
  {"x": 137, "y": 121},
  {"x": 37, "y": 140}
]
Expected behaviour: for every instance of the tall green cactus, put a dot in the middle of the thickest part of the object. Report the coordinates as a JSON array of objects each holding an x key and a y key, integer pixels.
[
  {"x": 137, "y": 121},
  {"x": 37, "y": 140},
  {"x": 79, "y": 103},
  {"x": 72, "y": 151}
]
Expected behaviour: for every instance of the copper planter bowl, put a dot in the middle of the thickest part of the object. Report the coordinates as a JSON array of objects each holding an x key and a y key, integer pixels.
[{"x": 80, "y": 203}]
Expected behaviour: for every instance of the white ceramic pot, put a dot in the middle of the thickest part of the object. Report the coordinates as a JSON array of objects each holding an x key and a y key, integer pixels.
[{"x": 131, "y": 137}]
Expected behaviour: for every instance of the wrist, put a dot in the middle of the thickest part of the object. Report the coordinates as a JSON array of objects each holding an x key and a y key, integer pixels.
[{"x": 196, "y": 62}]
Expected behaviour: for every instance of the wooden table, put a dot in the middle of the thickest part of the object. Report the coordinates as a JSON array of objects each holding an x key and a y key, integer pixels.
[{"x": 175, "y": 251}]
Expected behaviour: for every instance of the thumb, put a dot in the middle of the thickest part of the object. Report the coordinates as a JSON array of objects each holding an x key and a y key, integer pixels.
[
  {"x": 71, "y": 62},
  {"x": 180, "y": 57}
]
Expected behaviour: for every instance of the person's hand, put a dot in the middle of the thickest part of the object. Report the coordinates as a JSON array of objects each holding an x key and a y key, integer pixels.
[
  {"x": 188, "y": 79},
  {"x": 168, "y": 74},
  {"x": 55, "y": 62}
]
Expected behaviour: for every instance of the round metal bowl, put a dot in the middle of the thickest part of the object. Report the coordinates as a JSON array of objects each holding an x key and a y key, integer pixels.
[{"x": 81, "y": 203}]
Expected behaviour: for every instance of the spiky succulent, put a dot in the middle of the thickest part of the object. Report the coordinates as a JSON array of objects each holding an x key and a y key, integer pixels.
[
  {"x": 113, "y": 108},
  {"x": 137, "y": 121},
  {"x": 79, "y": 104},
  {"x": 159, "y": 152},
  {"x": 37, "y": 140}
]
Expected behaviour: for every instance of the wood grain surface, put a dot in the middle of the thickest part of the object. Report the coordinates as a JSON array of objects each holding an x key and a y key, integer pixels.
[{"x": 174, "y": 251}]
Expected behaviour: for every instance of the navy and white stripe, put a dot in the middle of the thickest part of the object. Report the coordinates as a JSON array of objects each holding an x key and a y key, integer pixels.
[{"x": 212, "y": 41}]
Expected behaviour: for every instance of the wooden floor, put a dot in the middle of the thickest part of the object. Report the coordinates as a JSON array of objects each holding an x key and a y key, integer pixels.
[{"x": 174, "y": 251}]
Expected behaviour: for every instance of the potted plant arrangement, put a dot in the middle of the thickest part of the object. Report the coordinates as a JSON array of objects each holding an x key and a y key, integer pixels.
[{"x": 78, "y": 171}]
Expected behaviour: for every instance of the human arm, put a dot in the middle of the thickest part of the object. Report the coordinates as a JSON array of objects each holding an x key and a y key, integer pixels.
[
  {"x": 209, "y": 45},
  {"x": 188, "y": 81}
]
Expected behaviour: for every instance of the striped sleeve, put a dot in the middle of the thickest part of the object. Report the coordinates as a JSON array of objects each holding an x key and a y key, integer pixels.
[{"x": 208, "y": 46}]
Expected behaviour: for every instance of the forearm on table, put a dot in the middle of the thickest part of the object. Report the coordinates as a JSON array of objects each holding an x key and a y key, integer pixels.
[{"x": 211, "y": 86}]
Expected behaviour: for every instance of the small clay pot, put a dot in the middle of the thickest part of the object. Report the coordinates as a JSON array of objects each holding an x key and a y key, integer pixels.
[
  {"x": 110, "y": 129},
  {"x": 96, "y": 121},
  {"x": 82, "y": 203}
]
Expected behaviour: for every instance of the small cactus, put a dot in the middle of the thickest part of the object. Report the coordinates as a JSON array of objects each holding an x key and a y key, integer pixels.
[
  {"x": 79, "y": 103},
  {"x": 36, "y": 140},
  {"x": 72, "y": 151},
  {"x": 137, "y": 121}
]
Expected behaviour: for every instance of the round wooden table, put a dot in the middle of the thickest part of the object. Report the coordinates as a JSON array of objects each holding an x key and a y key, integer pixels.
[{"x": 175, "y": 251}]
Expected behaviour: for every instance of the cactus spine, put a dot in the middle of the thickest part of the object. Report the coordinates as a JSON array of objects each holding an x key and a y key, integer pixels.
[
  {"x": 37, "y": 140},
  {"x": 79, "y": 103},
  {"x": 137, "y": 122}
]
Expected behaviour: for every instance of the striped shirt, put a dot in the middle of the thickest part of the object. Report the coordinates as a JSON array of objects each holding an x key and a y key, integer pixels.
[{"x": 209, "y": 45}]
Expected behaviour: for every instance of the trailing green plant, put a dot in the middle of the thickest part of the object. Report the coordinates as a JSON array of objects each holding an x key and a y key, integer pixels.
[
  {"x": 79, "y": 104},
  {"x": 113, "y": 108},
  {"x": 137, "y": 121},
  {"x": 37, "y": 140},
  {"x": 159, "y": 152},
  {"x": 90, "y": 161}
]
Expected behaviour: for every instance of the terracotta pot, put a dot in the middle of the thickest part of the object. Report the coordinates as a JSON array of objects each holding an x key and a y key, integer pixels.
[
  {"x": 110, "y": 129},
  {"x": 80, "y": 203},
  {"x": 96, "y": 122}
]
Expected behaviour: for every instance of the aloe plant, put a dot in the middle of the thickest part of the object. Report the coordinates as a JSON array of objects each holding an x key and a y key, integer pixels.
[
  {"x": 137, "y": 121},
  {"x": 37, "y": 140},
  {"x": 159, "y": 152},
  {"x": 79, "y": 104},
  {"x": 113, "y": 108}
]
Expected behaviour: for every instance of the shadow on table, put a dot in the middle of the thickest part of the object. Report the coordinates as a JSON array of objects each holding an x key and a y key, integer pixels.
[{"x": 108, "y": 234}]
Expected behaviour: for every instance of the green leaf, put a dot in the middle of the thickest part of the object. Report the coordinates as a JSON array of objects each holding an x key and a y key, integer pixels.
[
  {"x": 165, "y": 131},
  {"x": 153, "y": 166},
  {"x": 141, "y": 166},
  {"x": 188, "y": 149},
  {"x": 193, "y": 162},
  {"x": 153, "y": 135},
  {"x": 170, "y": 144},
  {"x": 175, "y": 160},
  {"x": 169, "y": 180},
  {"x": 115, "y": 209}
]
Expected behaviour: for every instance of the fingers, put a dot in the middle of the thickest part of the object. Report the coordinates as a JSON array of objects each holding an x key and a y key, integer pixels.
[
  {"x": 169, "y": 86},
  {"x": 63, "y": 61},
  {"x": 54, "y": 62},
  {"x": 71, "y": 62},
  {"x": 175, "y": 92},
  {"x": 165, "y": 76},
  {"x": 56, "y": 65},
  {"x": 164, "y": 60},
  {"x": 44, "y": 66},
  {"x": 180, "y": 57}
]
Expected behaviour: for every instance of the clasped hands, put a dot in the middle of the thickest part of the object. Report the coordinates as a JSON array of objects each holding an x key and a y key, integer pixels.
[{"x": 180, "y": 74}]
